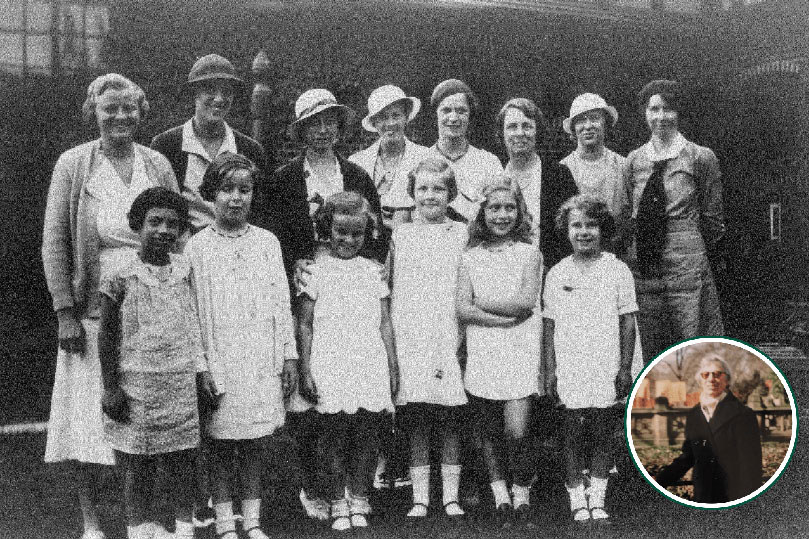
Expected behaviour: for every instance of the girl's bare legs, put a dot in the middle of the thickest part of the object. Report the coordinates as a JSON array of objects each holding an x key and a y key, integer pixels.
[
  {"x": 574, "y": 425},
  {"x": 251, "y": 466},
  {"x": 516, "y": 414},
  {"x": 419, "y": 468},
  {"x": 450, "y": 463},
  {"x": 87, "y": 478},
  {"x": 138, "y": 473},
  {"x": 183, "y": 477},
  {"x": 488, "y": 429},
  {"x": 223, "y": 465}
]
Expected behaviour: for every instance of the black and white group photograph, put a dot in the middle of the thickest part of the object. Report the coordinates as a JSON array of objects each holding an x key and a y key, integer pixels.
[{"x": 403, "y": 269}]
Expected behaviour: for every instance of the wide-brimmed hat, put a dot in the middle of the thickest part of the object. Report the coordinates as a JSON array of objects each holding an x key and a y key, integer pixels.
[
  {"x": 315, "y": 101},
  {"x": 385, "y": 96},
  {"x": 584, "y": 103},
  {"x": 213, "y": 67}
]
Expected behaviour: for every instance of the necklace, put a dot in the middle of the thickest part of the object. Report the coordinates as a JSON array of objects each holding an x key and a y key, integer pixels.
[{"x": 231, "y": 234}]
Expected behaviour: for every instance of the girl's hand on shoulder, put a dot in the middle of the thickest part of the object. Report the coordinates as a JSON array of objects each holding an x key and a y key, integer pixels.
[
  {"x": 71, "y": 332},
  {"x": 114, "y": 404},
  {"x": 289, "y": 377},
  {"x": 302, "y": 271},
  {"x": 308, "y": 389}
]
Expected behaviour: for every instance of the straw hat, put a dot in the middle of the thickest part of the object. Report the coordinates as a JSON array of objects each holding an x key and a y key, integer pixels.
[
  {"x": 315, "y": 101},
  {"x": 213, "y": 67},
  {"x": 584, "y": 103},
  {"x": 385, "y": 96}
]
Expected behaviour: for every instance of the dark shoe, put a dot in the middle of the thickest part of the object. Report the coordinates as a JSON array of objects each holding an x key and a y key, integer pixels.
[
  {"x": 522, "y": 515},
  {"x": 504, "y": 515}
]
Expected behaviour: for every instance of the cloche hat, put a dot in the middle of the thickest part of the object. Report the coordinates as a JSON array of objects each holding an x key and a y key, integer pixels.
[
  {"x": 584, "y": 103},
  {"x": 383, "y": 97},
  {"x": 315, "y": 101},
  {"x": 212, "y": 67}
]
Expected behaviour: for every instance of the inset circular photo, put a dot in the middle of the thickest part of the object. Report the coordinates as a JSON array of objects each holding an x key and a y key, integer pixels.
[{"x": 711, "y": 422}]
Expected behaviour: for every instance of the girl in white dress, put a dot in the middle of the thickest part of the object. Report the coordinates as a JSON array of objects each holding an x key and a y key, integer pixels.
[
  {"x": 589, "y": 341},
  {"x": 348, "y": 361},
  {"x": 498, "y": 284},
  {"x": 423, "y": 268},
  {"x": 247, "y": 329}
]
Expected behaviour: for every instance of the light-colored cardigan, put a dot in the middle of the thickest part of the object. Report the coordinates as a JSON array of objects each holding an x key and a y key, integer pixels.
[{"x": 70, "y": 241}]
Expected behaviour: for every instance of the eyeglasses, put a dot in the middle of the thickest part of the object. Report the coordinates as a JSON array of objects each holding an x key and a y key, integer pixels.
[{"x": 707, "y": 374}]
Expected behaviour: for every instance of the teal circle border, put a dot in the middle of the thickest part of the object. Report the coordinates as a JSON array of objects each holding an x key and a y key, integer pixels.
[{"x": 689, "y": 503}]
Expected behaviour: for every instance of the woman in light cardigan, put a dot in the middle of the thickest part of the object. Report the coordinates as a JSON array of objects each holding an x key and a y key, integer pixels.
[{"x": 86, "y": 235}]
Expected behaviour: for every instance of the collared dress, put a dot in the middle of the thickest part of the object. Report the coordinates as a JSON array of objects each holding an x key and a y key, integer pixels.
[
  {"x": 160, "y": 355},
  {"x": 585, "y": 305},
  {"x": 678, "y": 298}
]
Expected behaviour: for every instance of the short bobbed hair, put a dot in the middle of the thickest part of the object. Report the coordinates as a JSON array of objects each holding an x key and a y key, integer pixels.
[
  {"x": 478, "y": 231},
  {"x": 346, "y": 203},
  {"x": 527, "y": 107},
  {"x": 221, "y": 168},
  {"x": 592, "y": 207},
  {"x": 669, "y": 90},
  {"x": 157, "y": 197},
  {"x": 111, "y": 81},
  {"x": 435, "y": 166},
  {"x": 713, "y": 357},
  {"x": 451, "y": 87}
]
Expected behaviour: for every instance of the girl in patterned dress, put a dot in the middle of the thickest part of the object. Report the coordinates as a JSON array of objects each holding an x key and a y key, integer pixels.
[
  {"x": 151, "y": 356},
  {"x": 348, "y": 361},
  {"x": 247, "y": 330},
  {"x": 423, "y": 267},
  {"x": 498, "y": 285}
]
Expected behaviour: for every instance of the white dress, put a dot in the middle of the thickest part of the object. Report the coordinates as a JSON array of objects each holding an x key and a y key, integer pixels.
[
  {"x": 243, "y": 303},
  {"x": 348, "y": 361},
  {"x": 75, "y": 426},
  {"x": 585, "y": 307},
  {"x": 502, "y": 363},
  {"x": 425, "y": 275}
]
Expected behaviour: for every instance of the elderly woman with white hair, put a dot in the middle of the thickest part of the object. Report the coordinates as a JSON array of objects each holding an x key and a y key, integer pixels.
[
  {"x": 722, "y": 441},
  {"x": 389, "y": 160},
  {"x": 86, "y": 237}
]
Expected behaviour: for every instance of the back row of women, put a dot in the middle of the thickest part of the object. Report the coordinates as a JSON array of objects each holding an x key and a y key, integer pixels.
[{"x": 455, "y": 322}]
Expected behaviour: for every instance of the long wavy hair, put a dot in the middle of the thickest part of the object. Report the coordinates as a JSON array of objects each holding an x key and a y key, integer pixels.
[{"x": 479, "y": 233}]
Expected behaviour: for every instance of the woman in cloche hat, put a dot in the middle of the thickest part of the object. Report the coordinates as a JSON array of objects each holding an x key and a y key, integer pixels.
[
  {"x": 190, "y": 148},
  {"x": 393, "y": 155}
]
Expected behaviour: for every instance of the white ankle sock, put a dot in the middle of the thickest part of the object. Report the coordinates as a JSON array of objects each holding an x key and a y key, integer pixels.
[
  {"x": 521, "y": 495},
  {"x": 450, "y": 478},
  {"x": 141, "y": 531},
  {"x": 500, "y": 491},
  {"x": 183, "y": 529},
  {"x": 224, "y": 517},
  {"x": 420, "y": 475},
  {"x": 251, "y": 511}
]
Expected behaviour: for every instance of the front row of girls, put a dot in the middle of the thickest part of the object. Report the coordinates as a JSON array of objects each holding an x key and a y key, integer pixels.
[{"x": 217, "y": 324}]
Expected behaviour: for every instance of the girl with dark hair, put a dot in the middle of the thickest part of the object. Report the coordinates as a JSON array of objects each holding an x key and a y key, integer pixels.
[
  {"x": 588, "y": 342},
  {"x": 152, "y": 362},
  {"x": 244, "y": 308}
]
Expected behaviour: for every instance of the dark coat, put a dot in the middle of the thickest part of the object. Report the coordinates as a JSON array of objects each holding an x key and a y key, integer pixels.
[
  {"x": 170, "y": 144},
  {"x": 725, "y": 453},
  {"x": 557, "y": 186},
  {"x": 288, "y": 210}
]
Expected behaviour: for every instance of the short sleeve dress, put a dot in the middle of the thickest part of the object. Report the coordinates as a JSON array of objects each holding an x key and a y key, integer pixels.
[
  {"x": 160, "y": 354},
  {"x": 585, "y": 306},
  {"x": 502, "y": 363},
  {"x": 244, "y": 309},
  {"x": 348, "y": 359},
  {"x": 425, "y": 275}
]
